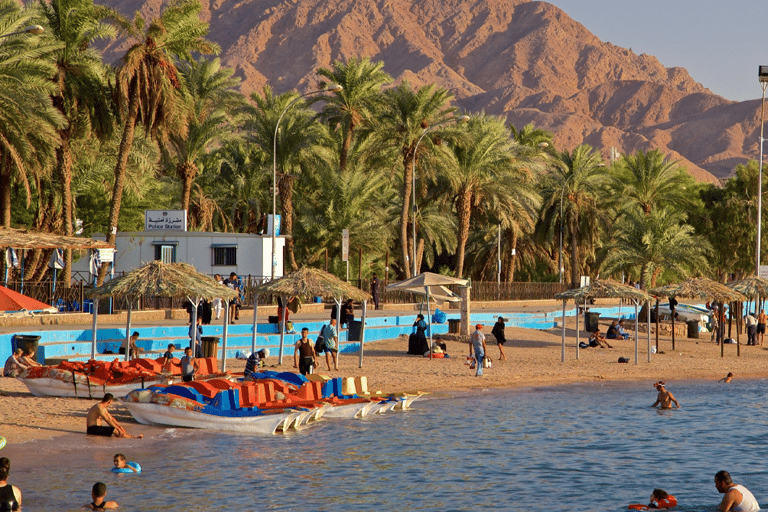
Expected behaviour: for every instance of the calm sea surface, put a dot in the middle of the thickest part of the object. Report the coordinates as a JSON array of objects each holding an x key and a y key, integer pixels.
[{"x": 583, "y": 447}]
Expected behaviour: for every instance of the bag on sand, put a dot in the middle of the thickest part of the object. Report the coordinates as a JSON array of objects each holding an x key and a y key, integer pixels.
[
  {"x": 473, "y": 364},
  {"x": 486, "y": 362}
]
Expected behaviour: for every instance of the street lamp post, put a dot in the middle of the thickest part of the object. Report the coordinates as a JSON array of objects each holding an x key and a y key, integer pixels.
[
  {"x": 459, "y": 119},
  {"x": 330, "y": 88},
  {"x": 32, "y": 29},
  {"x": 762, "y": 75}
]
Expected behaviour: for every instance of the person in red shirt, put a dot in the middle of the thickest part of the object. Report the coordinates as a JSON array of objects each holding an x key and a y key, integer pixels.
[{"x": 659, "y": 499}]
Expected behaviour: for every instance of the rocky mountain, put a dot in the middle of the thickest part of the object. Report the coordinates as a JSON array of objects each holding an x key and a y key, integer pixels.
[{"x": 524, "y": 59}]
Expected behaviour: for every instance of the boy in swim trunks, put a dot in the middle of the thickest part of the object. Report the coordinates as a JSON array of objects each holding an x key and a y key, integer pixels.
[
  {"x": 99, "y": 413},
  {"x": 664, "y": 399},
  {"x": 98, "y": 493},
  {"x": 761, "y": 319}
]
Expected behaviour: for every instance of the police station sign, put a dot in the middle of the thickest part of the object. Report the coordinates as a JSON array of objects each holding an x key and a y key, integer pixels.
[{"x": 175, "y": 220}]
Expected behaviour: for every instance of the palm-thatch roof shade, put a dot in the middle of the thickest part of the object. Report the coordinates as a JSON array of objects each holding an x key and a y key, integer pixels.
[
  {"x": 699, "y": 288},
  {"x": 158, "y": 279},
  {"x": 25, "y": 239},
  {"x": 312, "y": 282},
  {"x": 604, "y": 289},
  {"x": 752, "y": 286}
]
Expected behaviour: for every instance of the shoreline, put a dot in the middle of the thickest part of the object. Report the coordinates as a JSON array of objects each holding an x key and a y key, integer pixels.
[{"x": 533, "y": 360}]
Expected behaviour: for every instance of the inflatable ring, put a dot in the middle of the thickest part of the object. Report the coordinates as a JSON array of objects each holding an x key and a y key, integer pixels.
[
  {"x": 134, "y": 465},
  {"x": 2, "y": 442}
]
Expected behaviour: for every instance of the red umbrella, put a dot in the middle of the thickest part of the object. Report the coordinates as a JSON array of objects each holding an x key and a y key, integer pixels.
[{"x": 14, "y": 301}]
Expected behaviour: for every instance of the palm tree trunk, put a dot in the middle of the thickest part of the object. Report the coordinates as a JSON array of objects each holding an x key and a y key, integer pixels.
[
  {"x": 407, "y": 177},
  {"x": 187, "y": 172},
  {"x": 345, "y": 149},
  {"x": 464, "y": 212},
  {"x": 508, "y": 259},
  {"x": 64, "y": 164},
  {"x": 285, "y": 188},
  {"x": 5, "y": 194},
  {"x": 574, "y": 258},
  {"x": 513, "y": 257},
  {"x": 121, "y": 168}
]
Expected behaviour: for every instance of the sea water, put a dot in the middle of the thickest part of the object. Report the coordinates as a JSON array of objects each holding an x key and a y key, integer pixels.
[{"x": 579, "y": 447}]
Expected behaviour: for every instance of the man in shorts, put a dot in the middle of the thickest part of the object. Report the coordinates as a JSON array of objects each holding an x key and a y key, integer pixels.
[
  {"x": 331, "y": 338},
  {"x": 761, "y": 318},
  {"x": 99, "y": 413},
  {"x": 304, "y": 353},
  {"x": 477, "y": 345}
]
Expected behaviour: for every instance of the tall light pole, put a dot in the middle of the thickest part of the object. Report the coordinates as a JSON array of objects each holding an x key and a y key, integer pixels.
[
  {"x": 32, "y": 29},
  {"x": 762, "y": 75},
  {"x": 330, "y": 88},
  {"x": 459, "y": 119}
]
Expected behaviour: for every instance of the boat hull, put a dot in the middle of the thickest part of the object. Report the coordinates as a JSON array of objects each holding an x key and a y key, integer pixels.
[{"x": 44, "y": 386}]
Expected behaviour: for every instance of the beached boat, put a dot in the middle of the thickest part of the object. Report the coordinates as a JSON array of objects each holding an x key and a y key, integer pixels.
[
  {"x": 94, "y": 378},
  {"x": 271, "y": 402}
]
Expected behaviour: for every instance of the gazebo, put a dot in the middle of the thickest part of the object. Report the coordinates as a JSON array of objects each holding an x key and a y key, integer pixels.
[
  {"x": 604, "y": 289},
  {"x": 160, "y": 279},
  {"x": 312, "y": 282}
]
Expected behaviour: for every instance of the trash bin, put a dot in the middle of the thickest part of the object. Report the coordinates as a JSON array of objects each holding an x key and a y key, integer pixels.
[
  {"x": 210, "y": 346},
  {"x": 693, "y": 328},
  {"x": 590, "y": 321},
  {"x": 353, "y": 332},
  {"x": 453, "y": 325},
  {"x": 25, "y": 341}
]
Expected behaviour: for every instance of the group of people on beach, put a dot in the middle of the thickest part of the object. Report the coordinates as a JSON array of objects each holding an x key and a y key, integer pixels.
[
  {"x": 737, "y": 498},
  {"x": 19, "y": 361}
]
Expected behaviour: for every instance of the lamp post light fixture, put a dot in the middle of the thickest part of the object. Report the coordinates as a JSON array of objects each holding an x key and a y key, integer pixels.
[
  {"x": 762, "y": 75},
  {"x": 459, "y": 119},
  {"x": 330, "y": 88},
  {"x": 32, "y": 29}
]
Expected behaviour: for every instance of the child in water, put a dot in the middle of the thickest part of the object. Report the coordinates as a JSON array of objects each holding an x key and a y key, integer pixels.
[
  {"x": 659, "y": 499},
  {"x": 727, "y": 379}
]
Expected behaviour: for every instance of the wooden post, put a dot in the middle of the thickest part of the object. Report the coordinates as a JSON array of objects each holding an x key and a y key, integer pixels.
[
  {"x": 326, "y": 260},
  {"x": 360, "y": 267}
]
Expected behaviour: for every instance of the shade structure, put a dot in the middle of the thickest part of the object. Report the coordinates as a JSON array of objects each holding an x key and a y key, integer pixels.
[
  {"x": 699, "y": 288},
  {"x": 752, "y": 286},
  {"x": 313, "y": 282},
  {"x": 158, "y": 279},
  {"x": 25, "y": 239},
  {"x": 437, "y": 293},
  {"x": 11, "y": 301},
  {"x": 428, "y": 282},
  {"x": 602, "y": 289}
]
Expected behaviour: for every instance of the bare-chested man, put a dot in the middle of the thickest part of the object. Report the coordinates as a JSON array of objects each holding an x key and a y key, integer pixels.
[
  {"x": 761, "y": 319},
  {"x": 99, "y": 413},
  {"x": 664, "y": 398}
]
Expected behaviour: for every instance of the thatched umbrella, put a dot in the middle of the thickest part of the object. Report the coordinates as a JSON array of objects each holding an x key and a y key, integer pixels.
[
  {"x": 603, "y": 289},
  {"x": 698, "y": 288},
  {"x": 753, "y": 287},
  {"x": 160, "y": 279},
  {"x": 312, "y": 282}
]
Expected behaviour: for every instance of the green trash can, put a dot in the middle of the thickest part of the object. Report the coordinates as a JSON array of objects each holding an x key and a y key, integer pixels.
[
  {"x": 591, "y": 321},
  {"x": 693, "y": 328},
  {"x": 353, "y": 333},
  {"x": 210, "y": 346},
  {"x": 25, "y": 341}
]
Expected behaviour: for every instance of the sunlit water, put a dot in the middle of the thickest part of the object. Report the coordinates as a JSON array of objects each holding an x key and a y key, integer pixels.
[{"x": 583, "y": 447}]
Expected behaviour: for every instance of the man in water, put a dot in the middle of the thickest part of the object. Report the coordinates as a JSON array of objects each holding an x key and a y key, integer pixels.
[
  {"x": 737, "y": 498},
  {"x": 10, "y": 495},
  {"x": 664, "y": 399},
  {"x": 98, "y": 493},
  {"x": 99, "y": 413}
]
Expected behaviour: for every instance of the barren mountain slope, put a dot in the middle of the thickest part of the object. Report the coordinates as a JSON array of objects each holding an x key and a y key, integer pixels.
[{"x": 527, "y": 60}]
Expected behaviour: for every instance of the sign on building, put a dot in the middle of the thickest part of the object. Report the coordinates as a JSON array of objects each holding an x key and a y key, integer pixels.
[{"x": 175, "y": 220}]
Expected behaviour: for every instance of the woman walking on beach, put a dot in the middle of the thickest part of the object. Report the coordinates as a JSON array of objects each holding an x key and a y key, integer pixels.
[{"x": 501, "y": 339}]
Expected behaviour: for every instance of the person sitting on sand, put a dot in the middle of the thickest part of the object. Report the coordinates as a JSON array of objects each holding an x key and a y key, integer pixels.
[
  {"x": 29, "y": 357},
  {"x": 727, "y": 379},
  {"x": 120, "y": 463},
  {"x": 737, "y": 497},
  {"x": 99, "y": 413},
  {"x": 597, "y": 340},
  {"x": 659, "y": 499},
  {"x": 622, "y": 331},
  {"x": 98, "y": 493},
  {"x": 14, "y": 364},
  {"x": 664, "y": 399},
  {"x": 10, "y": 495}
]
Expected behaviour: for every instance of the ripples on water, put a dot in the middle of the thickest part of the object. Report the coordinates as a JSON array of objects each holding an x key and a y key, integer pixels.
[{"x": 583, "y": 447}]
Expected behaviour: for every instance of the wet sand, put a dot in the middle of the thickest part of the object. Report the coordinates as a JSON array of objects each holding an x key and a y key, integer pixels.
[{"x": 533, "y": 359}]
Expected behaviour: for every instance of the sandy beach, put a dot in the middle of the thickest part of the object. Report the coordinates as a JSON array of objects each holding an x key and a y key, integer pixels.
[{"x": 533, "y": 359}]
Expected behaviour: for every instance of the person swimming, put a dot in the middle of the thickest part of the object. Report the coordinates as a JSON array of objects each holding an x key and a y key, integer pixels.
[
  {"x": 664, "y": 399},
  {"x": 660, "y": 499},
  {"x": 727, "y": 379}
]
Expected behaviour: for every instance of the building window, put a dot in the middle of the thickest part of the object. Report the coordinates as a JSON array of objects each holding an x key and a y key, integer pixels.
[
  {"x": 225, "y": 256},
  {"x": 165, "y": 253}
]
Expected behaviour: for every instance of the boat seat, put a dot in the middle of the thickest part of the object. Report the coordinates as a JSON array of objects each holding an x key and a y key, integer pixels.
[{"x": 204, "y": 388}]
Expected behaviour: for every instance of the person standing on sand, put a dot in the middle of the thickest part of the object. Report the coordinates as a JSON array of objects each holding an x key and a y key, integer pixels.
[
  {"x": 751, "y": 322},
  {"x": 664, "y": 399},
  {"x": 737, "y": 498},
  {"x": 10, "y": 495},
  {"x": 501, "y": 339},
  {"x": 99, "y": 413},
  {"x": 331, "y": 339},
  {"x": 761, "y": 318},
  {"x": 304, "y": 354},
  {"x": 375, "y": 291},
  {"x": 477, "y": 344}
]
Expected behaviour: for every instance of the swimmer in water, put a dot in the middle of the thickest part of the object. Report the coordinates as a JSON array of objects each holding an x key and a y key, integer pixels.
[
  {"x": 727, "y": 378},
  {"x": 659, "y": 499},
  {"x": 98, "y": 493},
  {"x": 664, "y": 399},
  {"x": 119, "y": 461}
]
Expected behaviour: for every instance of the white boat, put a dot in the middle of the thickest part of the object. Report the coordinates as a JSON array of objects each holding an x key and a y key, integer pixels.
[{"x": 65, "y": 387}]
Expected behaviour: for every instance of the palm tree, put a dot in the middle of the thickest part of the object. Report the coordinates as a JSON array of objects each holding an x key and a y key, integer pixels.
[
  {"x": 576, "y": 202},
  {"x": 147, "y": 85},
  {"x": 296, "y": 139},
  {"x": 656, "y": 241},
  {"x": 532, "y": 137},
  {"x": 649, "y": 180},
  {"x": 28, "y": 120},
  {"x": 81, "y": 83},
  {"x": 211, "y": 98},
  {"x": 406, "y": 116},
  {"x": 357, "y": 102},
  {"x": 483, "y": 163}
]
